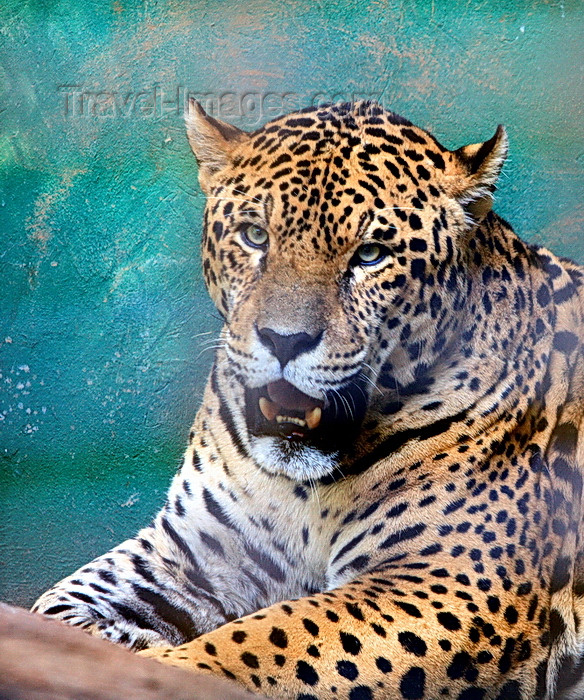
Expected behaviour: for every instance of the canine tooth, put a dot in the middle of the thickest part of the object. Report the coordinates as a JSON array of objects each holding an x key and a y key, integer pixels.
[
  {"x": 313, "y": 417},
  {"x": 291, "y": 419},
  {"x": 268, "y": 409}
]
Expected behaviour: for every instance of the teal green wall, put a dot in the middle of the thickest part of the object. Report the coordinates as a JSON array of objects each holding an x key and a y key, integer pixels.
[{"x": 103, "y": 315}]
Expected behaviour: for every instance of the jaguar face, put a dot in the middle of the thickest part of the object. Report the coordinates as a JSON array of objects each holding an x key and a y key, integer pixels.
[{"x": 334, "y": 249}]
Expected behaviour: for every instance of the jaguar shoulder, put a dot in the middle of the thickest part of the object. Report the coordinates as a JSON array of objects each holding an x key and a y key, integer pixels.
[{"x": 382, "y": 492}]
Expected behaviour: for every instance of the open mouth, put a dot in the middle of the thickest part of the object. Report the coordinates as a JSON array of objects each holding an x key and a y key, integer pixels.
[{"x": 281, "y": 410}]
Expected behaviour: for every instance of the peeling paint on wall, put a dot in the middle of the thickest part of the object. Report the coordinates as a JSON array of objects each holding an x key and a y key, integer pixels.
[
  {"x": 103, "y": 313},
  {"x": 39, "y": 224}
]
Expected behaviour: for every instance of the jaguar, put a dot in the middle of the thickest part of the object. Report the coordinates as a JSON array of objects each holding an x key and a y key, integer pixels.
[{"x": 381, "y": 495}]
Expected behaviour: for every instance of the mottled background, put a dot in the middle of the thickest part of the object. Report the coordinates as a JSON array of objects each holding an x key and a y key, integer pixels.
[{"x": 103, "y": 314}]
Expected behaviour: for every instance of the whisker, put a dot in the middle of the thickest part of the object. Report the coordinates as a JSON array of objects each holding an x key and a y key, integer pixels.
[
  {"x": 211, "y": 347},
  {"x": 232, "y": 199},
  {"x": 375, "y": 373},
  {"x": 370, "y": 381},
  {"x": 337, "y": 468},
  {"x": 206, "y": 341},
  {"x": 345, "y": 403},
  {"x": 256, "y": 199},
  {"x": 314, "y": 490},
  {"x": 351, "y": 398},
  {"x": 334, "y": 400},
  {"x": 378, "y": 211}
]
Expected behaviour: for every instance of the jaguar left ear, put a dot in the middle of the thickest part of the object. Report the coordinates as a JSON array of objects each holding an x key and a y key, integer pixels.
[
  {"x": 480, "y": 165},
  {"x": 212, "y": 141}
]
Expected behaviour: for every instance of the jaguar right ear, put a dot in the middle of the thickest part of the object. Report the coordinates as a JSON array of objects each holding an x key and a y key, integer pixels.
[
  {"x": 212, "y": 141},
  {"x": 479, "y": 166}
]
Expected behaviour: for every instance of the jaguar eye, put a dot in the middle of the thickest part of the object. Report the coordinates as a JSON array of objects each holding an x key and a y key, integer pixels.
[
  {"x": 370, "y": 254},
  {"x": 254, "y": 236}
]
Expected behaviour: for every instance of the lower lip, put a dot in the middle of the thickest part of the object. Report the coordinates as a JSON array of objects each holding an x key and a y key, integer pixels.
[{"x": 295, "y": 435}]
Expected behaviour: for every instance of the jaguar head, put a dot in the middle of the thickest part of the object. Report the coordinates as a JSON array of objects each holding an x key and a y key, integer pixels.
[{"x": 334, "y": 248}]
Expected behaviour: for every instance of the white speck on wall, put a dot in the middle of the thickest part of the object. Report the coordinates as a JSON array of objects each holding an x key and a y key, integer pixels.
[{"x": 132, "y": 499}]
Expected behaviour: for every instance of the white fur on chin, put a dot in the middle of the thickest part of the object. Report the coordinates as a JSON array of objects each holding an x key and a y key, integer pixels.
[{"x": 298, "y": 462}]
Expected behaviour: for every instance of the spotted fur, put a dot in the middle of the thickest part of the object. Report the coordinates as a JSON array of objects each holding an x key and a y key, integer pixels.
[{"x": 424, "y": 540}]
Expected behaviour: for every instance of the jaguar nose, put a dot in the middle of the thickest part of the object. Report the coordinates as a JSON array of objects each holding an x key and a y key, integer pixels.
[{"x": 287, "y": 347}]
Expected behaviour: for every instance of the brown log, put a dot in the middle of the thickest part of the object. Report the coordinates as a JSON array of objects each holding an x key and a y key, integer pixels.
[{"x": 43, "y": 659}]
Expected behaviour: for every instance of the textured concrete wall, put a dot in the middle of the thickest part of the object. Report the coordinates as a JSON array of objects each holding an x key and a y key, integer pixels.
[{"x": 103, "y": 315}]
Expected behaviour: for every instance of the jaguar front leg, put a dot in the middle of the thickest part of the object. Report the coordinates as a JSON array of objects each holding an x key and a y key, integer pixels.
[
  {"x": 133, "y": 597},
  {"x": 378, "y": 638}
]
